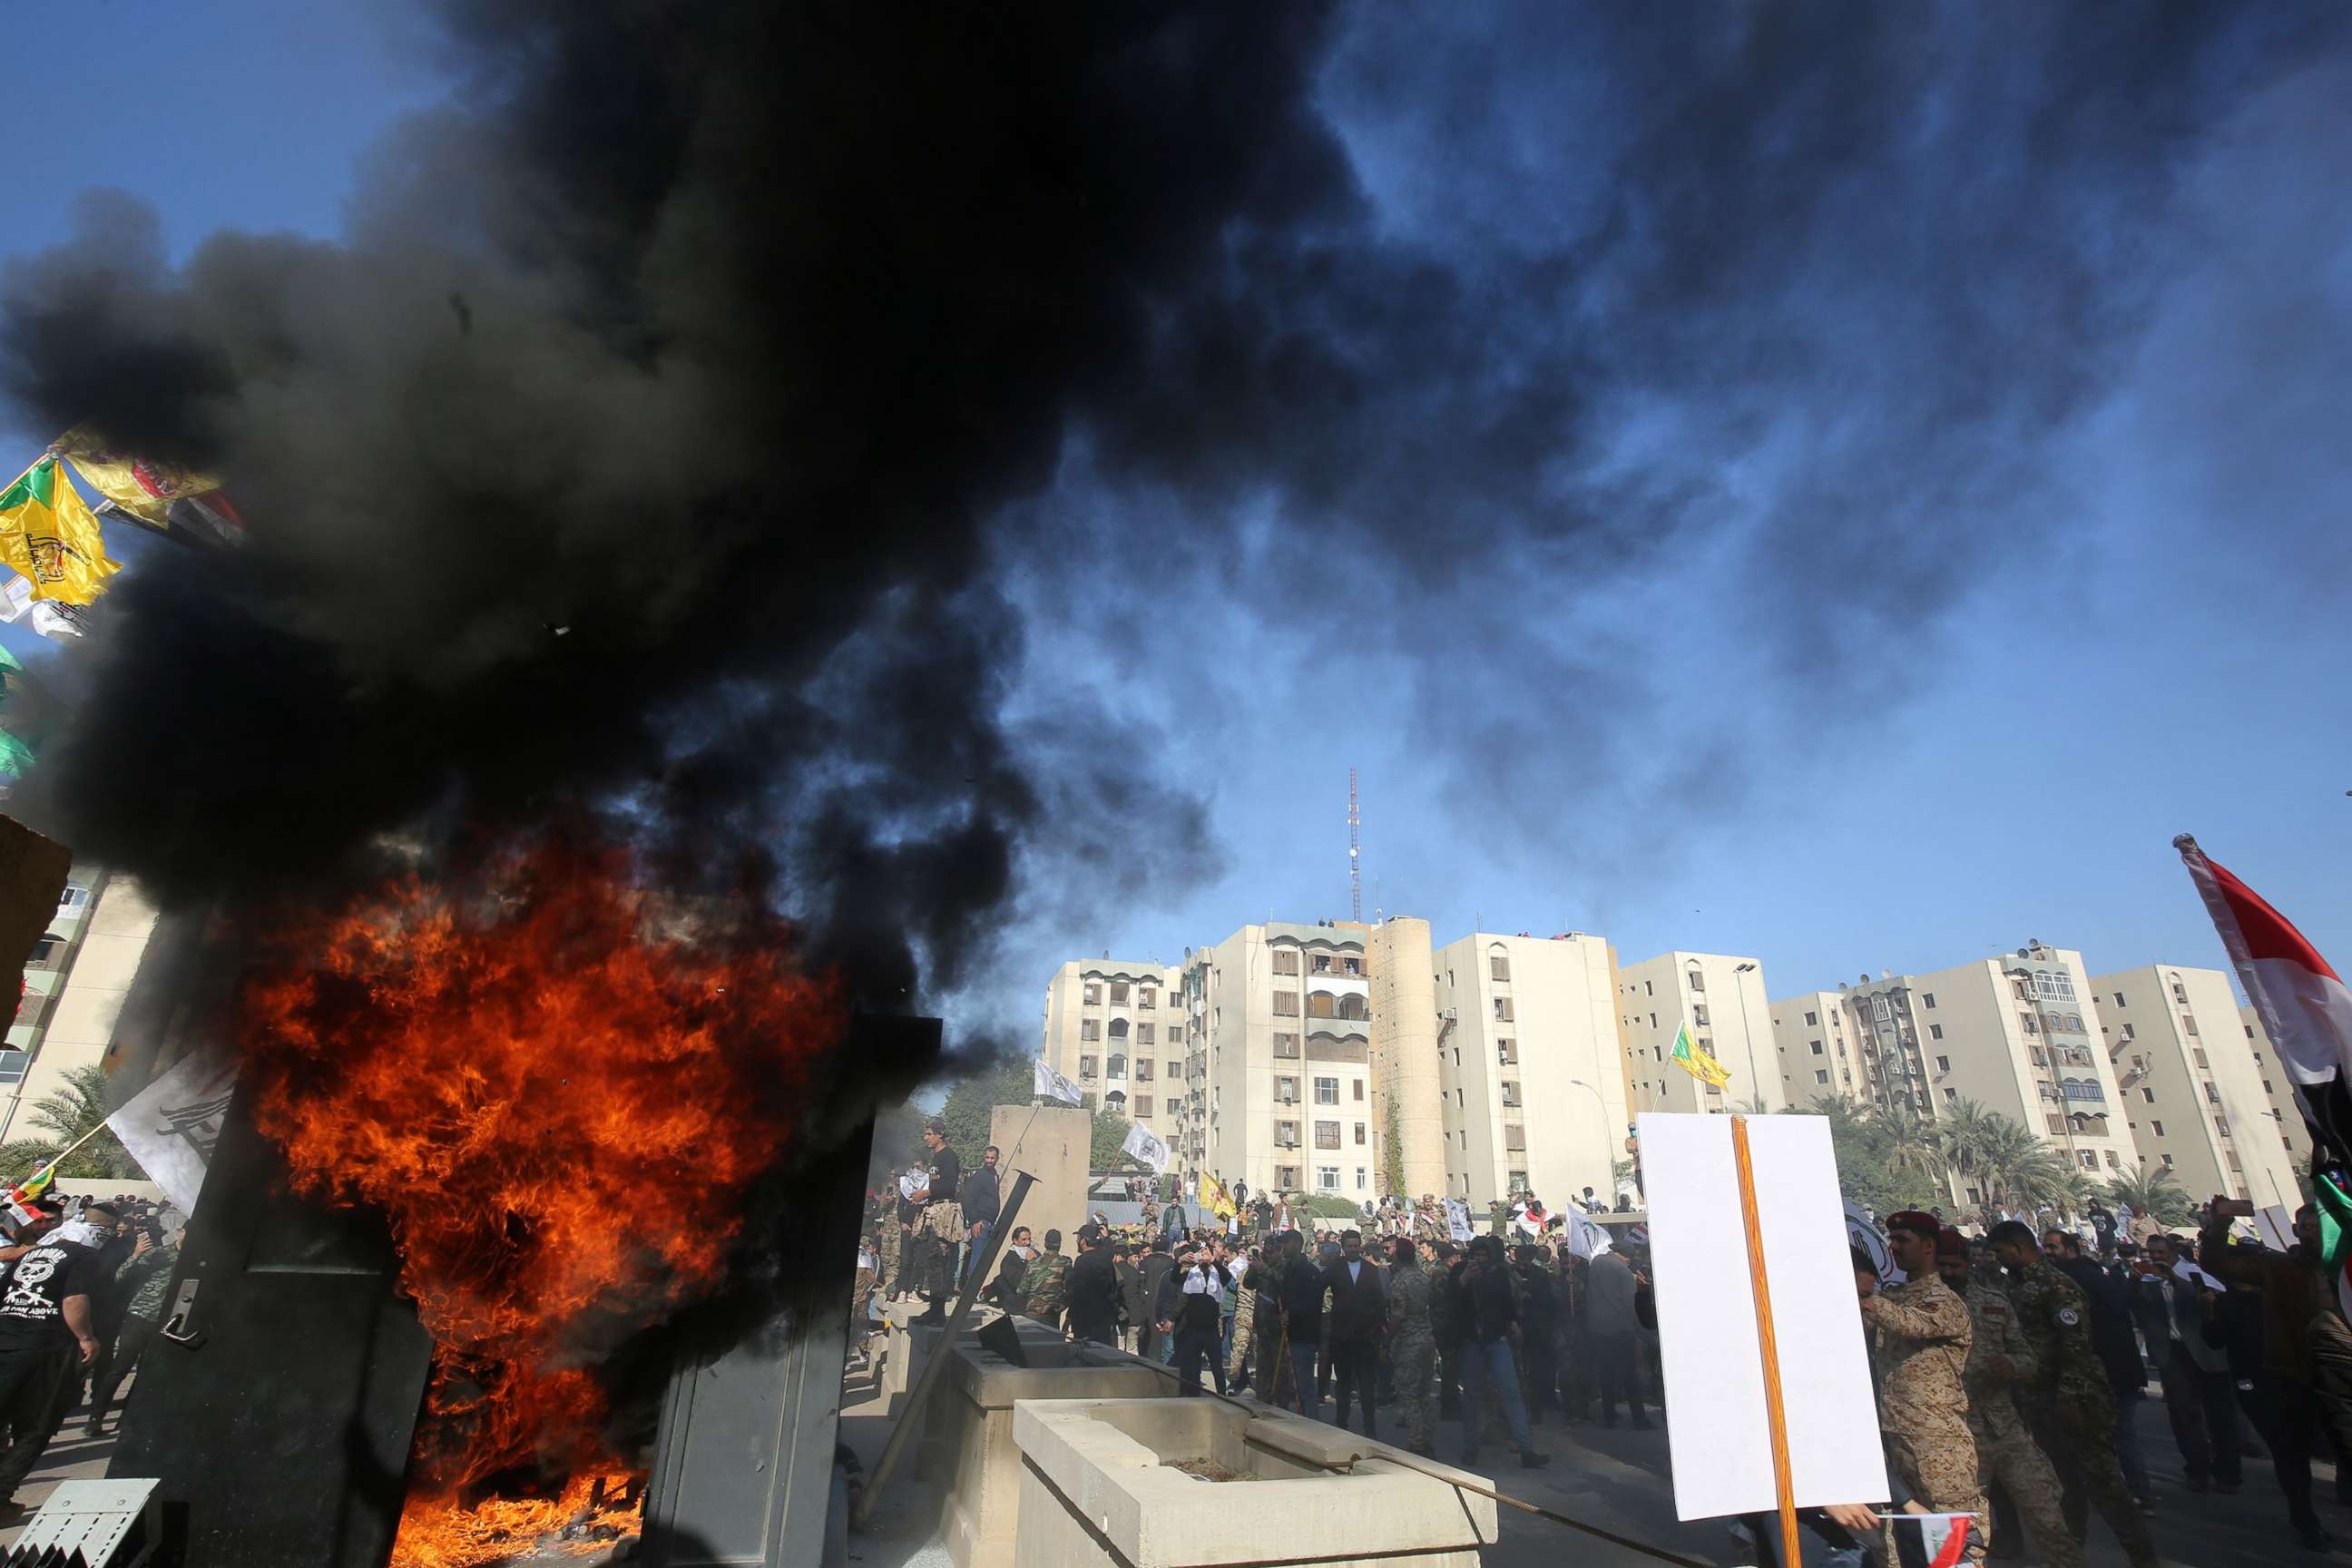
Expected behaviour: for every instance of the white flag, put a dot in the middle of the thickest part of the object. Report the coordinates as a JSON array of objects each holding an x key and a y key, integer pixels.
[
  {"x": 1050, "y": 1085},
  {"x": 1862, "y": 1233},
  {"x": 1143, "y": 1146},
  {"x": 1587, "y": 1237},
  {"x": 1457, "y": 1219},
  {"x": 170, "y": 1126}
]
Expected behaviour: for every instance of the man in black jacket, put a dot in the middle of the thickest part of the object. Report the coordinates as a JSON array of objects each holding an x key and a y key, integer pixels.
[
  {"x": 1095, "y": 1306},
  {"x": 1480, "y": 1305},
  {"x": 1134, "y": 1299},
  {"x": 1191, "y": 1308},
  {"x": 1360, "y": 1313},
  {"x": 1301, "y": 1294},
  {"x": 1157, "y": 1266},
  {"x": 980, "y": 1201}
]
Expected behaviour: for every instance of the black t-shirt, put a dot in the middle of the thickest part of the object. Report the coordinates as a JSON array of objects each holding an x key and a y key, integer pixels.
[
  {"x": 947, "y": 1174},
  {"x": 34, "y": 1292}
]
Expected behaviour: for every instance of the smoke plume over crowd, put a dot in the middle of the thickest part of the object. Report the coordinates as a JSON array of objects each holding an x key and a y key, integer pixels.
[{"x": 699, "y": 406}]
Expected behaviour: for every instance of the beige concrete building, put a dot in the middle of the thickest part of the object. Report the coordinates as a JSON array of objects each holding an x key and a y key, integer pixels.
[
  {"x": 1528, "y": 1067},
  {"x": 2192, "y": 1090},
  {"x": 2018, "y": 1035},
  {"x": 2279, "y": 1089},
  {"x": 1817, "y": 1054},
  {"x": 1278, "y": 1075},
  {"x": 1409, "y": 1131},
  {"x": 1115, "y": 1028},
  {"x": 1720, "y": 997},
  {"x": 76, "y": 982}
]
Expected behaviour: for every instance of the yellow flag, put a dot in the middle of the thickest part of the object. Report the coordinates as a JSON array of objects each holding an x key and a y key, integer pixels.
[
  {"x": 48, "y": 534},
  {"x": 142, "y": 488},
  {"x": 1697, "y": 1060}
]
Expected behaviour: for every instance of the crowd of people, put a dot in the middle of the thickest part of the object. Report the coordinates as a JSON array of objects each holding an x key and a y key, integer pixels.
[
  {"x": 82, "y": 1295},
  {"x": 2008, "y": 1364}
]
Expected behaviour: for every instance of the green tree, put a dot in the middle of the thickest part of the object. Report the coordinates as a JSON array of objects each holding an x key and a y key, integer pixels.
[
  {"x": 970, "y": 1101},
  {"x": 1870, "y": 1170},
  {"x": 1329, "y": 1206},
  {"x": 1103, "y": 1152},
  {"x": 2153, "y": 1190},
  {"x": 75, "y": 1108}
]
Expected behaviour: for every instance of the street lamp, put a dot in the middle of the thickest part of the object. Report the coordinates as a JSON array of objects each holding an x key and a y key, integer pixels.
[
  {"x": 1755, "y": 1084},
  {"x": 1602, "y": 1106}
]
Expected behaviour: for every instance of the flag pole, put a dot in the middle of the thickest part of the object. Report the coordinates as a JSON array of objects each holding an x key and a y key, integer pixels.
[{"x": 1775, "y": 1413}]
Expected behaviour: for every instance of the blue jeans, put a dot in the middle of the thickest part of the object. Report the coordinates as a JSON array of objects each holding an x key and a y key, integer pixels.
[
  {"x": 973, "y": 1246},
  {"x": 1302, "y": 1377},
  {"x": 1479, "y": 1363}
]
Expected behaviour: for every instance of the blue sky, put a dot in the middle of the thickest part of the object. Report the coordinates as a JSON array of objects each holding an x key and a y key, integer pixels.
[{"x": 2151, "y": 639}]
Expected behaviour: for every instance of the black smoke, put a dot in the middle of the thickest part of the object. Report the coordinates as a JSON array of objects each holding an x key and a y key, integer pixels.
[{"x": 697, "y": 406}]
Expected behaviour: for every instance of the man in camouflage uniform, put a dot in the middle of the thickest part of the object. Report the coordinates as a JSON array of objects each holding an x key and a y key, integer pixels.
[
  {"x": 2000, "y": 1359},
  {"x": 1048, "y": 1283},
  {"x": 2067, "y": 1401},
  {"x": 1923, "y": 1334},
  {"x": 1412, "y": 1343}
]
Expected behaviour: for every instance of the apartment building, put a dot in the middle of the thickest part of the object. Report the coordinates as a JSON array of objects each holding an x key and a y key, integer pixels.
[
  {"x": 76, "y": 982},
  {"x": 2193, "y": 1091},
  {"x": 1116, "y": 1028},
  {"x": 1278, "y": 1072},
  {"x": 2280, "y": 1090},
  {"x": 1817, "y": 1054},
  {"x": 1531, "y": 1091},
  {"x": 1719, "y": 997}
]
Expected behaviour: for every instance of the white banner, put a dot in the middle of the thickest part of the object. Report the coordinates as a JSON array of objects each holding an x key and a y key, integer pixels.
[
  {"x": 170, "y": 1126},
  {"x": 1143, "y": 1146},
  {"x": 1587, "y": 1237},
  {"x": 1862, "y": 1232},
  {"x": 1457, "y": 1219},
  {"x": 1050, "y": 1085}
]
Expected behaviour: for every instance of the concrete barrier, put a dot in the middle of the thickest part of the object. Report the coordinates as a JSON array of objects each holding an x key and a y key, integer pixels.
[
  {"x": 974, "y": 1424},
  {"x": 1099, "y": 1487}
]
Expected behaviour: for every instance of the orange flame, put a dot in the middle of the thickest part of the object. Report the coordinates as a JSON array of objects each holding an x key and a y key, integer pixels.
[{"x": 559, "y": 1091}]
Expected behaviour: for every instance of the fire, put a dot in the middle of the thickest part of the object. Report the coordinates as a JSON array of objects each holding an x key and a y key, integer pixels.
[
  {"x": 559, "y": 1091},
  {"x": 436, "y": 1532}
]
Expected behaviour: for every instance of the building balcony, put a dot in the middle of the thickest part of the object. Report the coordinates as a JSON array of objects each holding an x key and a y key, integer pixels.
[{"x": 1339, "y": 1029}]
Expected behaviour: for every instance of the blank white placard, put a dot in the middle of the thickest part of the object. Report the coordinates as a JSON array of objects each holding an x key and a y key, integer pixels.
[{"x": 1717, "y": 1433}]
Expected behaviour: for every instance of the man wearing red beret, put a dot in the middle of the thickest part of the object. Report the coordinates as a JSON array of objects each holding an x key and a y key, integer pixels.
[{"x": 1923, "y": 1335}]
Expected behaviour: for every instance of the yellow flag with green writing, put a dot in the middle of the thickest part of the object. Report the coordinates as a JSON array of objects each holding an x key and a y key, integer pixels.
[
  {"x": 49, "y": 535},
  {"x": 1697, "y": 1062}
]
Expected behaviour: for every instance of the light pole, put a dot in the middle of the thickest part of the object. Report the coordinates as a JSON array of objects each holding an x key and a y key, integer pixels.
[
  {"x": 1606, "y": 1148},
  {"x": 1755, "y": 1084}
]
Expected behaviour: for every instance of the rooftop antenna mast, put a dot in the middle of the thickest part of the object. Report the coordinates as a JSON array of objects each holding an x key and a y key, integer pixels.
[{"x": 1355, "y": 854}]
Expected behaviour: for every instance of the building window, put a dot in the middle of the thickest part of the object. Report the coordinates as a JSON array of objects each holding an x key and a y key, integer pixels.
[
  {"x": 1935, "y": 1031},
  {"x": 2158, "y": 1128},
  {"x": 1143, "y": 1069},
  {"x": 1698, "y": 1014},
  {"x": 1327, "y": 1177},
  {"x": 2222, "y": 1125},
  {"x": 1093, "y": 993},
  {"x": 1286, "y": 1134},
  {"x": 1322, "y": 963},
  {"x": 1119, "y": 992},
  {"x": 1927, "y": 1000},
  {"x": 1118, "y": 1028},
  {"x": 1117, "y": 1066},
  {"x": 1943, "y": 1064},
  {"x": 1817, "y": 1048},
  {"x": 1697, "y": 980},
  {"x": 1327, "y": 1091},
  {"x": 1359, "y": 1086},
  {"x": 1507, "y": 1053},
  {"x": 2188, "y": 1024},
  {"x": 1086, "y": 1067},
  {"x": 2167, "y": 1160},
  {"x": 1143, "y": 1105},
  {"x": 1143, "y": 1034},
  {"x": 1285, "y": 1090},
  {"x": 1287, "y": 1177},
  {"x": 1518, "y": 1181},
  {"x": 2090, "y": 1161},
  {"x": 1363, "y": 1178},
  {"x": 1498, "y": 966},
  {"x": 2197, "y": 1055},
  {"x": 1360, "y": 1134},
  {"x": 2148, "y": 1095},
  {"x": 1951, "y": 1095},
  {"x": 2231, "y": 1155},
  {"x": 1503, "y": 1009},
  {"x": 1820, "y": 1075},
  {"x": 1812, "y": 1020},
  {"x": 1285, "y": 1045},
  {"x": 1286, "y": 1003},
  {"x": 1649, "y": 990},
  {"x": 2025, "y": 1020},
  {"x": 1353, "y": 966},
  {"x": 2213, "y": 1094},
  {"x": 1143, "y": 995},
  {"x": 2057, "y": 1123},
  {"x": 1090, "y": 1030},
  {"x": 2130, "y": 1032},
  {"x": 1510, "y": 1091},
  {"x": 1514, "y": 1136},
  {"x": 1286, "y": 961},
  {"x": 1326, "y": 1135}
]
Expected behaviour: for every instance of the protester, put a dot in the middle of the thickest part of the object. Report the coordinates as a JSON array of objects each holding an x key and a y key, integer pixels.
[
  {"x": 938, "y": 1226},
  {"x": 1134, "y": 1299},
  {"x": 2068, "y": 1401},
  {"x": 1358, "y": 1319},
  {"x": 1155, "y": 1266},
  {"x": 1095, "y": 1305},
  {"x": 1413, "y": 1342},
  {"x": 1047, "y": 1281},
  {"x": 48, "y": 1335},
  {"x": 1922, "y": 1347},
  {"x": 2187, "y": 1339},
  {"x": 1303, "y": 1288},
  {"x": 1480, "y": 1302},
  {"x": 980, "y": 1202},
  {"x": 1999, "y": 1359},
  {"x": 1609, "y": 1326},
  {"x": 1198, "y": 1290}
]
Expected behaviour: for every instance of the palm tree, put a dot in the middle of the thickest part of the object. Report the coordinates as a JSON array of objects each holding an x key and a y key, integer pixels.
[
  {"x": 1909, "y": 1144},
  {"x": 75, "y": 1106},
  {"x": 1963, "y": 1136},
  {"x": 2152, "y": 1190}
]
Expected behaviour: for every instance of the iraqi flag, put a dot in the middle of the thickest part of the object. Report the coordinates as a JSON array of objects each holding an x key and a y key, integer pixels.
[{"x": 2303, "y": 1005}]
